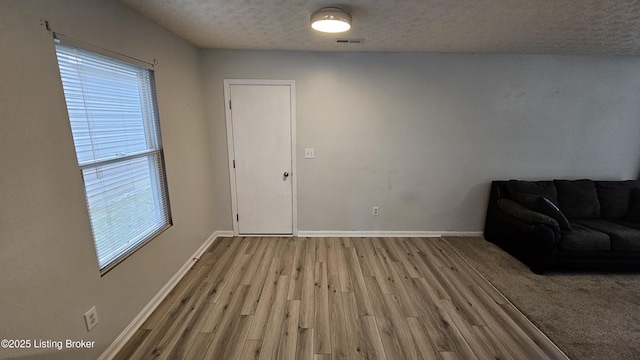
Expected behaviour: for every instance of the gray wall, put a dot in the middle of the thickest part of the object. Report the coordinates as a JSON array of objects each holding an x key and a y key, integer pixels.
[
  {"x": 48, "y": 270},
  {"x": 422, "y": 135}
]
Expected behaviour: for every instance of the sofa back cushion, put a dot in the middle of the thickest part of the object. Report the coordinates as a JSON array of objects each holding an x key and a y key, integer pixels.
[
  {"x": 578, "y": 199},
  {"x": 542, "y": 188},
  {"x": 615, "y": 197}
]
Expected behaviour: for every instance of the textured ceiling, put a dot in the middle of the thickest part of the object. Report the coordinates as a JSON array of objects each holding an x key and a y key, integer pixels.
[{"x": 496, "y": 26}]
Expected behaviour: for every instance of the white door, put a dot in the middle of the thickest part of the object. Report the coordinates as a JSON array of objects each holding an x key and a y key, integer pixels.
[{"x": 260, "y": 118}]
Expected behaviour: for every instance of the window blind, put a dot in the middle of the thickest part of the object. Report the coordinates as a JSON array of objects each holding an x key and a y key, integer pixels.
[{"x": 113, "y": 116}]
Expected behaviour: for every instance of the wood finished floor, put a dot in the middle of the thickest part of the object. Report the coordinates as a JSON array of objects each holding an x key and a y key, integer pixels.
[{"x": 335, "y": 298}]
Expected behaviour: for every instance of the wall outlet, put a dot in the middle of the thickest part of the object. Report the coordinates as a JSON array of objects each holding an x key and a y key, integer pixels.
[
  {"x": 375, "y": 211},
  {"x": 309, "y": 153},
  {"x": 91, "y": 318}
]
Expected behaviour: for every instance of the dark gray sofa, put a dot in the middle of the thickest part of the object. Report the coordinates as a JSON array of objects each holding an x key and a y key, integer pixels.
[{"x": 567, "y": 224}]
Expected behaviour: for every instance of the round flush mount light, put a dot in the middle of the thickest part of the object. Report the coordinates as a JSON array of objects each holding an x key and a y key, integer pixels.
[{"x": 331, "y": 20}]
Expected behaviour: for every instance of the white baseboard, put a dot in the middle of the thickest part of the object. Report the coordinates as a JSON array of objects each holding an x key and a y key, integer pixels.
[
  {"x": 387, "y": 233},
  {"x": 224, "y": 233},
  {"x": 130, "y": 330},
  {"x": 354, "y": 233}
]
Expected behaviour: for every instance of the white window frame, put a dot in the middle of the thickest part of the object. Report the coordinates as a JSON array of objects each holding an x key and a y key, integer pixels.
[{"x": 100, "y": 162}]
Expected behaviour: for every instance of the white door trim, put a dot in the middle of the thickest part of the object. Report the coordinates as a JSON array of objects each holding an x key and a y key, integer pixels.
[{"x": 231, "y": 151}]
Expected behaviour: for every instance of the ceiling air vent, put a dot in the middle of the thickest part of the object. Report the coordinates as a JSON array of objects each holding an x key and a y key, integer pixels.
[{"x": 350, "y": 41}]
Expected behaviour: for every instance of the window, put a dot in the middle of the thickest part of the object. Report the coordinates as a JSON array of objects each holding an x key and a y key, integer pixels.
[{"x": 114, "y": 120}]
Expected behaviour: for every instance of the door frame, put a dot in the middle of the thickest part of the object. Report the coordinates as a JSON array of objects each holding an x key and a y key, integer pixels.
[{"x": 231, "y": 150}]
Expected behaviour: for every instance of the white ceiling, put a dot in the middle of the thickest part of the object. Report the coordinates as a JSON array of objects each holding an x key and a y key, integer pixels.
[{"x": 496, "y": 26}]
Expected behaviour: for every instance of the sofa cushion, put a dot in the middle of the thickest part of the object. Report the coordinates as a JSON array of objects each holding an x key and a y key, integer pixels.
[
  {"x": 633, "y": 212},
  {"x": 543, "y": 188},
  {"x": 629, "y": 224},
  {"x": 582, "y": 238},
  {"x": 578, "y": 199},
  {"x": 622, "y": 238},
  {"x": 544, "y": 206},
  {"x": 614, "y": 197}
]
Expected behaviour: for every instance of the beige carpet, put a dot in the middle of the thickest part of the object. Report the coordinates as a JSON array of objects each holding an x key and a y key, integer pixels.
[{"x": 588, "y": 315}]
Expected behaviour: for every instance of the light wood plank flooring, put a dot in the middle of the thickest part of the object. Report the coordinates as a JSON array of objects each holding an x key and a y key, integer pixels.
[{"x": 335, "y": 298}]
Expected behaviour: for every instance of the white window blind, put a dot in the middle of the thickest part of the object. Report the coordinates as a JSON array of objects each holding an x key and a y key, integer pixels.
[{"x": 114, "y": 121}]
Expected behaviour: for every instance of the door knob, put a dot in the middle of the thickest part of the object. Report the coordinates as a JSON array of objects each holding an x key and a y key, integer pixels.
[{"x": 286, "y": 174}]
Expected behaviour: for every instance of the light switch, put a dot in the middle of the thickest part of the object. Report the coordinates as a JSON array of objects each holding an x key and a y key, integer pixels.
[{"x": 309, "y": 153}]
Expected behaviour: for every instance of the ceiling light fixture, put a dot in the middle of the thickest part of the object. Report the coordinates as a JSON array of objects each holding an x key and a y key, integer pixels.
[{"x": 331, "y": 20}]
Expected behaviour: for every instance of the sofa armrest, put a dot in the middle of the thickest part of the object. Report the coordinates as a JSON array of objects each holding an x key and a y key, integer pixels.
[{"x": 527, "y": 216}]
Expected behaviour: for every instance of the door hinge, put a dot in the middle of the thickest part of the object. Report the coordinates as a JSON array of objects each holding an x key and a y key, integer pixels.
[
  {"x": 237, "y": 217},
  {"x": 234, "y": 164},
  {"x": 229, "y": 104}
]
